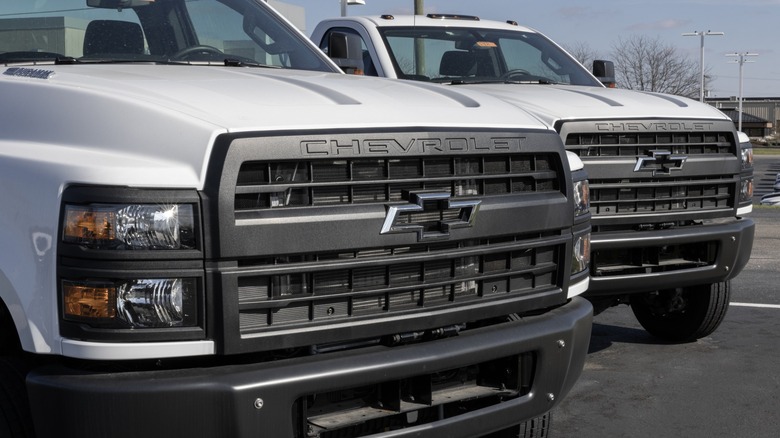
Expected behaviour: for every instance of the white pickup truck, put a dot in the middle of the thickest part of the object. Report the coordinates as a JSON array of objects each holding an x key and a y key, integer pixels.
[
  {"x": 202, "y": 239},
  {"x": 670, "y": 178}
]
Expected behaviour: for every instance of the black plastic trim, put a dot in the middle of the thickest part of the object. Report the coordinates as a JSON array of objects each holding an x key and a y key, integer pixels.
[
  {"x": 249, "y": 400},
  {"x": 734, "y": 242}
]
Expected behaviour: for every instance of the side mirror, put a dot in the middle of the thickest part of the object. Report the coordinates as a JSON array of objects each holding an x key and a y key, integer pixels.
[
  {"x": 604, "y": 71},
  {"x": 346, "y": 51}
]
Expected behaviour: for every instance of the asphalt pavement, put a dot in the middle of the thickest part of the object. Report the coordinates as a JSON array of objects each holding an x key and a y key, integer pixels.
[{"x": 724, "y": 385}]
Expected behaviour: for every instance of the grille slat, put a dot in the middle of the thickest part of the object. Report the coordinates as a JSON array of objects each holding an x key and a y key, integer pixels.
[
  {"x": 394, "y": 280},
  {"x": 640, "y": 144},
  {"x": 267, "y": 185}
]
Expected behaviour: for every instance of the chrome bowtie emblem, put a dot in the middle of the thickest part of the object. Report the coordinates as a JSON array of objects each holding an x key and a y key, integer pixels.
[
  {"x": 660, "y": 163},
  {"x": 401, "y": 218}
]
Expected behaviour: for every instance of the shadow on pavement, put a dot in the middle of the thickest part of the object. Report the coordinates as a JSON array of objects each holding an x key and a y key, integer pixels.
[{"x": 604, "y": 335}]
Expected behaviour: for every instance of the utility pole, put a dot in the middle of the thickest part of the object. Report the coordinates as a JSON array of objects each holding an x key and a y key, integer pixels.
[
  {"x": 741, "y": 62},
  {"x": 419, "y": 43},
  {"x": 701, "y": 56}
]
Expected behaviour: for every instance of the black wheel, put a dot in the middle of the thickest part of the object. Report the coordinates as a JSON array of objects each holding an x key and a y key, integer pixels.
[
  {"x": 683, "y": 314},
  {"x": 15, "y": 420}
]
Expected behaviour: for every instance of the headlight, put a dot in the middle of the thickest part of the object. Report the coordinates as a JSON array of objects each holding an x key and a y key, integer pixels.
[
  {"x": 130, "y": 226},
  {"x": 140, "y": 303},
  {"x": 746, "y": 192},
  {"x": 581, "y": 254},
  {"x": 581, "y": 197},
  {"x": 747, "y": 156}
]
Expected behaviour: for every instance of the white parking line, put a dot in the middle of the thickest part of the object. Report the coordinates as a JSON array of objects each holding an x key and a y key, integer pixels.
[{"x": 764, "y": 306}]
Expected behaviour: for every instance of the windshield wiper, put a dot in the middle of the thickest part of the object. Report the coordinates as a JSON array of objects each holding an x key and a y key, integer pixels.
[
  {"x": 234, "y": 62},
  {"x": 227, "y": 62},
  {"x": 541, "y": 81}
]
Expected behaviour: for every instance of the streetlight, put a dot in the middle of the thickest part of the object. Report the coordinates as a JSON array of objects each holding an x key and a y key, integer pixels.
[
  {"x": 344, "y": 4},
  {"x": 701, "y": 56},
  {"x": 741, "y": 61}
]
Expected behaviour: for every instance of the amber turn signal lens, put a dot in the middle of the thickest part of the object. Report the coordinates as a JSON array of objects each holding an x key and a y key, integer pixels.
[{"x": 84, "y": 301}]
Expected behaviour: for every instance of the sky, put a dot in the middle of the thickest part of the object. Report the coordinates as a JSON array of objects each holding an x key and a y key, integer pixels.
[{"x": 750, "y": 26}]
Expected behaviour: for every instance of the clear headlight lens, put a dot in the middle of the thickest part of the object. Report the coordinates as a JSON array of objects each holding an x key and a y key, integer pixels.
[
  {"x": 581, "y": 254},
  {"x": 746, "y": 192},
  {"x": 747, "y": 157},
  {"x": 139, "y": 303},
  {"x": 581, "y": 197},
  {"x": 130, "y": 226}
]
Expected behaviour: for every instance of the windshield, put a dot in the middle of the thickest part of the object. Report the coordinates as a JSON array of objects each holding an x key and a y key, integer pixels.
[
  {"x": 467, "y": 55},
  {"x": 242, "y": 32}
]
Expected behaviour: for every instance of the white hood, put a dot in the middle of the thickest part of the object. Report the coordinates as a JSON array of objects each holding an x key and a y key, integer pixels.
[
  {"x": 553, "y": 103},
  {"x": 167, "y": 117}
]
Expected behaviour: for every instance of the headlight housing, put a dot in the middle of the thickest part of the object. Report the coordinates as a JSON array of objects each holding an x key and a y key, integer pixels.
[
  {"x": 138, "y": 303},
  {"x": 580, "y": 254},
  {"x": 746, "y": 176},
  {"x": 747, "y": 156},
  {"x": 130, "y": 226},
  {"x": 581, "y": 198},
  {"x": 131, "y": 265}
]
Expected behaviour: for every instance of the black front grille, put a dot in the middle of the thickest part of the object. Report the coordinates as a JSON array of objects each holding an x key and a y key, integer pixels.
[
  {"x": 401, "y": 232},
  {"x": 276, "y": 184},
  {"x": 627, "y": 144},
  {"x": 316, "y": 289},
  {"x": 655, "y": 167},
  {"x": 636, "y": 196}
]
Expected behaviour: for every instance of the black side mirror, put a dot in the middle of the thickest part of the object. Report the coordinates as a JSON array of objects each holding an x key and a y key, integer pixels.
[
  {"x": 604, "y": 71},
  {"x": 345, "y": 50}
]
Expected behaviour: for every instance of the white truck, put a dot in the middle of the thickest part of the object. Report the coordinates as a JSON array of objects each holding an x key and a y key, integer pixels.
[
  {"x": 670, "y": 178},
  {"x": 201, "y": 239}
]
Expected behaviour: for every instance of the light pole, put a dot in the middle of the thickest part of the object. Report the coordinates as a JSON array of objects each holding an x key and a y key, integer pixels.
[
  {"x": 702, "y": 34},
  {"x": 741, "y": 61},
  {"x": 418, "y": 7},
  {"x": 344, "y": 4}
]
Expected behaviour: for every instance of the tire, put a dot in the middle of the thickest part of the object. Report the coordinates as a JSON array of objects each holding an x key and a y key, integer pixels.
[
  {"x": 683, "y": 314},
  {"x": 15, "y": 420},
  {"x": 538, "y": 427}
]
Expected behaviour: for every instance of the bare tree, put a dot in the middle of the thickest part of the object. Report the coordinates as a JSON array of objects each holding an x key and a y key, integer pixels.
[
  {"x": 646, "y": 64},
  {"x": 583, "y": 53}
]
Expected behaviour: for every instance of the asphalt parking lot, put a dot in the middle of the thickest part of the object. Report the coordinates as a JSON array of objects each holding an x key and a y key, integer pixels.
[{"x": 724, "y": 385}]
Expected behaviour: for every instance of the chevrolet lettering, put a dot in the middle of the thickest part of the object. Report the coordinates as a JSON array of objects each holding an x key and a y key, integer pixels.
[
  {"x": 430, "y": 145},
  {"x": 653, "y": 126}
]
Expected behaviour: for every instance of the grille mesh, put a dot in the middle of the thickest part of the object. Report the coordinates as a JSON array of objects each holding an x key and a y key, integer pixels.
[
  {"x": 639, "y": 144},
  {"x": 329, "y": 288},
  {"x": 644, "y": 195},
  {"x": 267, "y": 185}
]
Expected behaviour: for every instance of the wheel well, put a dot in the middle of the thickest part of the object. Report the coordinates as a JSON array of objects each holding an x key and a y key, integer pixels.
[{"x": 9, "y": 338}]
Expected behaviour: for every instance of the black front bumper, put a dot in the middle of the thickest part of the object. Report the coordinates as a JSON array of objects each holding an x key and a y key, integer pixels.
[
  {"x": 732, "y": 243},
  {"x": 256, "y": 400}
]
